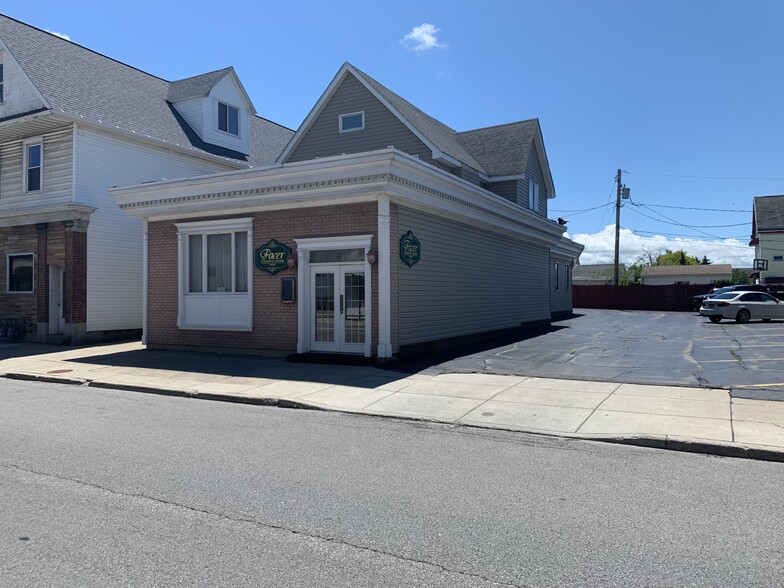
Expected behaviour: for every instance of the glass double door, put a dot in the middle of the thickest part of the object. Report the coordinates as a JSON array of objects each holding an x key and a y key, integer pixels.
[{"x": 338, "y": 308}]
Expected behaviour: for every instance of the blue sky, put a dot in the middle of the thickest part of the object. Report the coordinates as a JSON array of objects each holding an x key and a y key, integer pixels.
[{"x": 684, "y": 96}]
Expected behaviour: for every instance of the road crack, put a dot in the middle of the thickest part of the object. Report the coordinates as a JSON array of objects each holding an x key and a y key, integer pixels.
[{"x": 243, "y": 520}]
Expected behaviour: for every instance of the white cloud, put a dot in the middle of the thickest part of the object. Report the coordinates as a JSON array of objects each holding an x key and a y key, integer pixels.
[
  {"x": 600, "y": 247},
  {"x": 56, "y": 34},
  {"x": 422, "y": 38}
]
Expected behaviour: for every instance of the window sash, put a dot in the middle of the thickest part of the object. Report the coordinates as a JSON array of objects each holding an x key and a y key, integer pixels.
[
  {"x": 20, "y": 272},
  {"x": 353, "y": 121},
  {"x": 217, "y": 263},
  {"x": 33, "y": 167},
  {"x": 533, "y": 195},
  {"x": 228, "y": 119}
]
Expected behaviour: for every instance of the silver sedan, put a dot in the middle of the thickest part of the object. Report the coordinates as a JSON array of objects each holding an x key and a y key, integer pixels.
[{"x": 742, "y": 306}]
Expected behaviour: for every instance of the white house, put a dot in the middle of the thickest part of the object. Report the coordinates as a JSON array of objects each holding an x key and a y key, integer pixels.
[{"x": 74, "y": 123}]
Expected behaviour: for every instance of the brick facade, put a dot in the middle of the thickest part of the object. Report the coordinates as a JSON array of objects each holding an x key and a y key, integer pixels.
[
  {"x": 274, "y": 322},
  {"x": 51, "y": 244}
]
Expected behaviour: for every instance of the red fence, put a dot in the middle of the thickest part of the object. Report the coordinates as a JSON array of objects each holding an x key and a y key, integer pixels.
[{"x": 670, "y": 297}]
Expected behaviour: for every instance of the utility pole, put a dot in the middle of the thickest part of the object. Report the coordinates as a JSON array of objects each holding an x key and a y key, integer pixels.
[{"x": 617, "y": 227}]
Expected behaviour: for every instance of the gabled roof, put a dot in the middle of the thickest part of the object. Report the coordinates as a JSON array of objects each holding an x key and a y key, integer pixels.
[
  {"x": 199, "y": 85},
  {"x": 485, "y": 150},
  {"x": 687, "y": 270},
  {"x": 768, "y": 214},
  {"x": 85, "y": 85}
]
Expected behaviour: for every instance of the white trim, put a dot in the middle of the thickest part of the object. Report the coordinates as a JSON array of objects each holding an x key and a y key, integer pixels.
[
  {"x": 26, "y": 144},
  {"x": 8, "y": 273},
  {"x": 341, "y": 130},
  {"x": 304, "y": 246},
  {"x": 384, "y": 257},
  {"x": 215, "y": 298},
  {"x": 493, "y": 179},
  {"x": 146, "y": 281}
]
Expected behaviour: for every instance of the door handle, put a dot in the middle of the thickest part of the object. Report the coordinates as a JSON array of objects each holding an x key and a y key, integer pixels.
[{"x": 341, "y": 304}]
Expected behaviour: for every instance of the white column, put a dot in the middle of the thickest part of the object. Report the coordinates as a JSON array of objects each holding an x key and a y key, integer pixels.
[
  {"x": 181, "y": 271},
  {"x": 384, "y": 278},
  {"x": 145, "y": 283},
  {"x": 303, "y": 327}
]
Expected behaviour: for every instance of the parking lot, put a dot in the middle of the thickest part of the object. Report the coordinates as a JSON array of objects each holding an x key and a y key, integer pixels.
[{"x": 679, "y": 348}]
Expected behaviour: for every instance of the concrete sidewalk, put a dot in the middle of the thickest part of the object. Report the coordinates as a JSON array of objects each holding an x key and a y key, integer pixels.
[{"x": 691, "y": 419}]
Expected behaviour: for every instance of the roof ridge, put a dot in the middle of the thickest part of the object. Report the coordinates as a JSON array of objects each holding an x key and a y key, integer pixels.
[
  {"x": 274, "y": 123},
  {"x": 94, "y": 52},
  {"x": 206, "y": 73},
  {"x": 535, "y": 118}
]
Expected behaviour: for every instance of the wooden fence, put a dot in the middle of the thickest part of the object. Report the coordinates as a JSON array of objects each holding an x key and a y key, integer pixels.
[{"x": 670, "y": 297}]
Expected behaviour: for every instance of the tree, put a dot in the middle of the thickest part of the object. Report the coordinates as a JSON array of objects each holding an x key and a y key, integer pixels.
[{"x": 679, "y": 257}]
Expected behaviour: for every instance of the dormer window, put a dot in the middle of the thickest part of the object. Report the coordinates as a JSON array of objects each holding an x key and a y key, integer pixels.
[
  {"x": 1, "y": 80},
  {"x": 228, "y": 119},
  {"x": 354, "y": 121}
]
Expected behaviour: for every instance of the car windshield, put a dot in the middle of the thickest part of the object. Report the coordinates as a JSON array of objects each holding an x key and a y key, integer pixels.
[{"x": 728, "y": 295}]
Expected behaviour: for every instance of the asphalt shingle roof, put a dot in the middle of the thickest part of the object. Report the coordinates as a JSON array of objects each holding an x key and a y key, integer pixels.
[
  {"x": 79, "y": 82},
  {"x": 769, "y": 213},
  {"x": 199, "y": 85},
  {"x": 495, "y": 151}
]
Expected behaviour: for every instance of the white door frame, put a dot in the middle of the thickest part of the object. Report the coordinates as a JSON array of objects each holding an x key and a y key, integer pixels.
[
  {"x": 340, "y": 310},
  {"x": 304, "y": 247},
  {"x": 56, "y": 299}
]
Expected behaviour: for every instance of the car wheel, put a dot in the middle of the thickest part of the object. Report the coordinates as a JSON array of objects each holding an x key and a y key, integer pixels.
[
  {"x": 714, "y": 319},
  {"x": 743, "y": 316}
]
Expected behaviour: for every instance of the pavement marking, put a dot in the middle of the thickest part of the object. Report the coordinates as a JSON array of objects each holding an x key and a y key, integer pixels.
[{"x": 762, "y": 385}]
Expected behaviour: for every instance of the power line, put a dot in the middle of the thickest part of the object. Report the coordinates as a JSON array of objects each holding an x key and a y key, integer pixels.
[
  {"x": 578, "y": 211},
  {"x": 694, "y": 208},
  {"x": 700, "y": 177}
]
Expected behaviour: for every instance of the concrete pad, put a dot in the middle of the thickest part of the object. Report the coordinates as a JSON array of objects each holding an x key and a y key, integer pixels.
[
  {"x": 628, "y": 423},
  {"x": 544, "y": 397},
  {"x": 345, "y": 397},
  {"x": 173, "y": 383},
  {"x": 760, "y": 411},
  {"x": 382, "y": 382},
  {"x": 530, "y": 417},
  {"x": 481, "y": 379},
  {"x": 668, "y": 406},
  {"x": 440, "y": 408},
  {"x": 759, "y": 433},
  {"x": 435, "y": 387},
  {"x": 576, "y": 385},
  {"x": 286, "y": 389},
  {"x": 677, "y": 392},
  {"x": 124, "y": 379}
]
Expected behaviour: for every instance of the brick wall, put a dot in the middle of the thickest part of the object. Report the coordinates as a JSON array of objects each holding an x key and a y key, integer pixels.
[
  {"x": 22, "y": 239},
  {"x": 274, "y": 322}
]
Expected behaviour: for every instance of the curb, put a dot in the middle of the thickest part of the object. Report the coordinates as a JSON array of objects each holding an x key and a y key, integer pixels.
[{"x": 652, "y": 442}]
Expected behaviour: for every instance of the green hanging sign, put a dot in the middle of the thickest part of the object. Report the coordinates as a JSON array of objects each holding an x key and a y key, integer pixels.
[
  {"x": 272, "y": 257},
  {"x": 410, "y": 249}
]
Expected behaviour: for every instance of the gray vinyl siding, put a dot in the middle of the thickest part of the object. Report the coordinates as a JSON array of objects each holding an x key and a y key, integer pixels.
[
  {"x": 382, "y": 128},
  {"x": 470, "y": 174},
  {"x": 506, "y": 190},
  {"x": 469, "y": 280},
  {"x": 533, "y": 171},
  {"x": 57, "y": 155},
  {"x": 561, "y": 294}
]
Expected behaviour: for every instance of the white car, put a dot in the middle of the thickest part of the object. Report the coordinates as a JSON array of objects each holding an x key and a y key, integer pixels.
[{"x": 742, "y": 307}]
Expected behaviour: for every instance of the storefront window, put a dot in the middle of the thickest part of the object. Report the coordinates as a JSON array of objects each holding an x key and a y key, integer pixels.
[{"x": 20, "y": 273}]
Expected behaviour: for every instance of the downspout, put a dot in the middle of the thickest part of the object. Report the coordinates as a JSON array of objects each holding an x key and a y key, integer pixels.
[{"x": 145, "y": 276}]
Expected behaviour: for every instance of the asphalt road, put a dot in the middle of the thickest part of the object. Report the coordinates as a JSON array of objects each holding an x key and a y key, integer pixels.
[
  {"x": 109, "y": 488},
  {"x": 637, "y": 347}
]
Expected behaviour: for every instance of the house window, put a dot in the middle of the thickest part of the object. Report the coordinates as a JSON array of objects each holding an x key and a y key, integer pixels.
[
  {"x": 1, "y": 81},
  {"x": 778, "y": 258},
  {"x": 228, "y": 119},
  {"x": 218, "y": 262},
  {"x": 215, "y": 276},
  {"x": 20, "y": 273},
  {"x": 33, "y": 166},
  {"x": 533, "y": 195},
  {"x": 557, "y": 281},
  {"x": 354, "y": 121},
  {"x": 568, "y": 276}
]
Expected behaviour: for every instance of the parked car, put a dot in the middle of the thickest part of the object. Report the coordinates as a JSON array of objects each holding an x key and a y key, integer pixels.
[
  {"x": 742, "y": 306},
  {"x": 696, "y": 301}
]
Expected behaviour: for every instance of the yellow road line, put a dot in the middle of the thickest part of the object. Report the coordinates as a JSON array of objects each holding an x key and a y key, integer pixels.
[
  {"x": 761, "y": 385},
  {"x": 744, "y": 346},
  {"x": 744, "y": 359}
]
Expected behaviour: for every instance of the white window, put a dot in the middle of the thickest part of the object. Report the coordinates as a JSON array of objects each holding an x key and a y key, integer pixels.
[
  {"x": 228, "y": 119},
  {"x": 354, "y": 121},
  {"x": 33, "y": 165},
  {"x": 215, "y": 274},
  {"x": 20, "y": 273},
  {"x": 533, "y": 195}
]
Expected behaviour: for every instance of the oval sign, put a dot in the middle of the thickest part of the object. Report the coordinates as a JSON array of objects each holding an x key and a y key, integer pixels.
[{"x": 272, "y": 257}]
